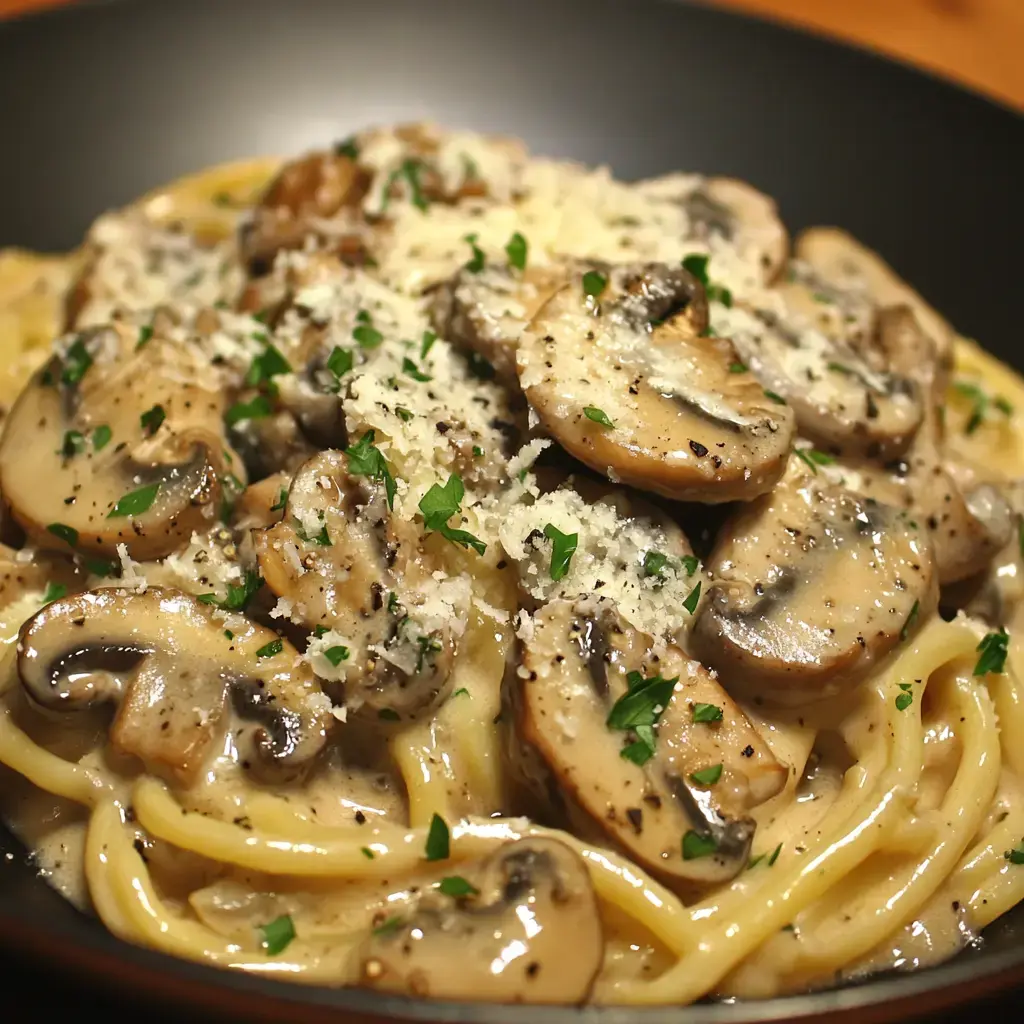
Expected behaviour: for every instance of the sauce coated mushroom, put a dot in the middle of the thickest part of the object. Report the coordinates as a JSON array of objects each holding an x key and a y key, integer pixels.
[
  {"x": 625, "y": 347},
  {"x": 120, "y": 441},
  {"x": 641, "y": 740},
  {"x": 812, "y": 585},
  {"x": 171, "y": 668},
  {"x": 529, "y": 931}
]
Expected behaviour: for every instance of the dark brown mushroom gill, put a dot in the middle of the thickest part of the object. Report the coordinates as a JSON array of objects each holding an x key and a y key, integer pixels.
[
  {"x": 811, "y": 586},
  {"x": 362, "y": 579},
  {"x": 170, "y": 667},
  {"x": 686, "y": 420},
  {"x": 590, "y": 688},
  {"x": 120, "y": 412},
  {"x": 529, "y": 932}
]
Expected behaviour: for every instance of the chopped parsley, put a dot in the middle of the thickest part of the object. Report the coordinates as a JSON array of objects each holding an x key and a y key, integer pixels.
[
  {"x": 428, "y": 646},
  {"x": 690, "y": 564},
  {"x": 438, "y": 844},
  {"x": 737, "y": 368},
  {"x": 392, "y": 924},
  {"x": 151, "y": 420},
  {"x": 76, "y": 362},
  {"x": 697, "y": 265},
  {"x": 517, "y": 250},
  {"x": 336, "y": 655},
  {"x": 54, "y": 591},
  {"x": 340, "y": 361},
  {"x": 638, "y": 711},
  {"x": 229, "y": 634},
  {"x": 323, "y": 538},
  {"x": 1016, "y": 855},
  {"x": 282, "y": 500},
  {"x": 563, "y": 547},
  {"x": 477, "y": 263},
  {"x": 366, "y": 852},
  {"x": 439, "y": 504},
  {"x": 145, "y": 333},
  {"x": 456, "y": 885},
  {"x": 410, "y": 369},
  {"x": 774, "y": 396},
  {"x": 410, "y": 170},
  {"x": 269, "y": 650},
  {"x": 366, "y": 460},
  {"x": 841, "y": 368},
  {"x": 73, "y": 443},
  {"x": 981, "y": 403},
  {"x": 594, "y": 283},
  {"x": 101, "y": 437},
  {"x": 597, "y": 416},
  {"x": 690, "y": 604},
  {"x": 238, "y": 594},
  {"x": 403, "y": 414},
  {"x": 707, "y": 713},
  {"x": 268, "y": 364},
  {"x": 278, "y": 934},
  {"x": 134, "y": 503},
  {"x": 427, "y": 343},
  {"x": 772, "y": 858},
  {"x": 365, "y": 333},
  {"x": 257, "y": 409},
  {"x": 654, "y": 563},
  {"x": 911, "y": 619},
  {"x": 904, "y": 698},
  {"x": 813, "y": 458},
  {"x": 707, "y": 776},
  {"x": 461, "y": 690},
  {"x": 993, "y": 653},
  {"x": 347, "y": 147},
  {"x": 696, "y": 845}
]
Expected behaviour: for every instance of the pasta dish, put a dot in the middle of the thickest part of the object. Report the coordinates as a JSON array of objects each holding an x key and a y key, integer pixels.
[{"x": 444, "y": 570}]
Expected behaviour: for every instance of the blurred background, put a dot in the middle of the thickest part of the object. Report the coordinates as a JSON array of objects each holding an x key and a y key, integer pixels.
[{"x": 975, "y": 42}]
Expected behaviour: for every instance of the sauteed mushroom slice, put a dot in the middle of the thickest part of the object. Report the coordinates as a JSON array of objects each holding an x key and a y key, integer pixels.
[
  {"x": 843, "y": 400},
  {"x": 624, "y": 346},
  {"x": 485, "y": 312},
  {"x": 731, "y": 213},
  {"x": 643, "y": 740},
  {"x": 111, "y": 445},
  {"x": 530, "y": 932},
  {"x": 812, "y": 585},
  {"x": 841, "y": 259},
  {"x": 357, "y": 576},
  {"x": 170, "y": 666}
]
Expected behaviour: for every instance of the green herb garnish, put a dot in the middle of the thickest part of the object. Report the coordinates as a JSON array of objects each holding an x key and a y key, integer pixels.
[
  {"x": 597, "y": 415},
  {"x": 439, "y": 504},
  {"x": 563, "y": 546},
  {"x": 993, "y": 653},
  {"x": 366, "y": 460},
  {"x": 456, "y": 885},
  {"x": 278, "y": 934},
  {"x": 336, "y": 655},
  {"x": 412, "y": 370},
  {"x": 54, "y": 591},
  {"x": 911, "y": 619},
  {"x": 516, "y": 250},
  {"x": 438, "y": 839},
  {"x": 101, "y": 437},
  {"x": 690, "y": 604},
  {"x": 340, "y": 361},
  {"x": 134, "y": 503},
  {"x": 151, "y": 420},
  {"x": 905, "y": 698},
  {"x": 257, "y": 409},
  {"x": 477, "y": 263},
  {"x": 269, "y": 650},
  {"x": 73, "y": 443},
  {"x": 76, "y": 362},
  {"x": 696, "y": 845},
  {"x": 238, "y": 594},
  {"x": 707, "y": 776},
  {"x": 427, "y": 343},
  {"x": 707, "y": 713},
  {"x": 269, "y": 363},
  {"x": 594, "y": 283}
]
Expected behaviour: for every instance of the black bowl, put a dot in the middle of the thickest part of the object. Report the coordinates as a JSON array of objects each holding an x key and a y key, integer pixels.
[{"x": 106, "y": 100}]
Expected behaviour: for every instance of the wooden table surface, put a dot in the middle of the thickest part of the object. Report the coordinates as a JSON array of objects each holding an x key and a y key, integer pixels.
[{"x": 977, "y": 42}]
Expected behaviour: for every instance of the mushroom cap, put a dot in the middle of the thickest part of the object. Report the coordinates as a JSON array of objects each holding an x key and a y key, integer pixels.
[
  {"x": 530, "y": 933},
  {"x": 336, "y": 557},
  {"x": 165, "y": 433},
  {"x": 576, "y": 668},
  {"x": 686, "y": 424},
  {"x": 811, "y": 586},
  {"x": 169, "y": 665}
]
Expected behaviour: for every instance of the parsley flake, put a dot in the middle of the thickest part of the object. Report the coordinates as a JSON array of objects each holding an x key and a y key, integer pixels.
[
  {"x": 134, "y": 503},
  {"x": 696, "y": 845},
  {"x": 1016, "y": 855},
  {"x": 707, "y": 713},
  {"x": 427, "y": 343},
  {"x": 269, "y": 650},
  {"x": 439, "y": 504},
  {"x": 654, "y": 563},
  {"x": 76, "y": 362},
  {"x": 774, "y": 396},
  {"x": 993, "y": 653},
  {"x": 347, "y": 147},
  {"x": 73, "y": 443},
  {"x": 366, "y": 460},
  {"x": 563, "y": 546},
  {"x": 151, "y": 420},
  {"x": 438, "y": 839},
  {"x": 904, "y": 698},
  {"x": 597, "y": 415},
  {"x": 690, "y": 604},
  {"x": 477, "y": 263},
  {"x": 54, "y": 591},
  {"x": 340, "y": 361},
  {"x": 412, "y": 370},
  {"x": 278, "y": 934},
  {"x": 101, "y": 437},
  {"x": 737, "y": 368},
  {"x": 638, "y": 711},
  {"x": 516, "y": 250},
  {"x": 456, "y": 885},
  {"x": 707, "y": 776},
  {"x": 282, "y": 500},
  {"x": 268, "y": 364},
  {"x": 238, "y": 594},
  {"x": 594, "y": 283},
  {"x": 336, "y": 655}
]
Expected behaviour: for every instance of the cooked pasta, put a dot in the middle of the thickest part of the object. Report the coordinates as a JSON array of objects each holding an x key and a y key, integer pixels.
[{"x": 440, "y": 569}]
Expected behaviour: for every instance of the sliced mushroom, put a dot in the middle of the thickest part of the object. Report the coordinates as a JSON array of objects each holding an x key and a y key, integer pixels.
[
  {"x": 312, "y": 189},
  {"x": 730, "y": 212},
  {"x": 108, "y": 420},
  {"x": 581, "y": 682},
  {"x": 262, "y": 504},
  {"x": 350, "y": 571},
  {"x": 812, "y": 586},
  {"x": 687, "y": 421},
  {"x": 486, "y": 312},
  {"x": 170, "y": 665},
  {"x": 826, "y": 361},
  {"x": 841, "y": 259},
  {"x": 133, "y": 263},
  {"x": 530, "y": 933}
]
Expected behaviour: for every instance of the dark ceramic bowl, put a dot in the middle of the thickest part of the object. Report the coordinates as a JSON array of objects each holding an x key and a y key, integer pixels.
[{"x": 102, "y": 101}]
